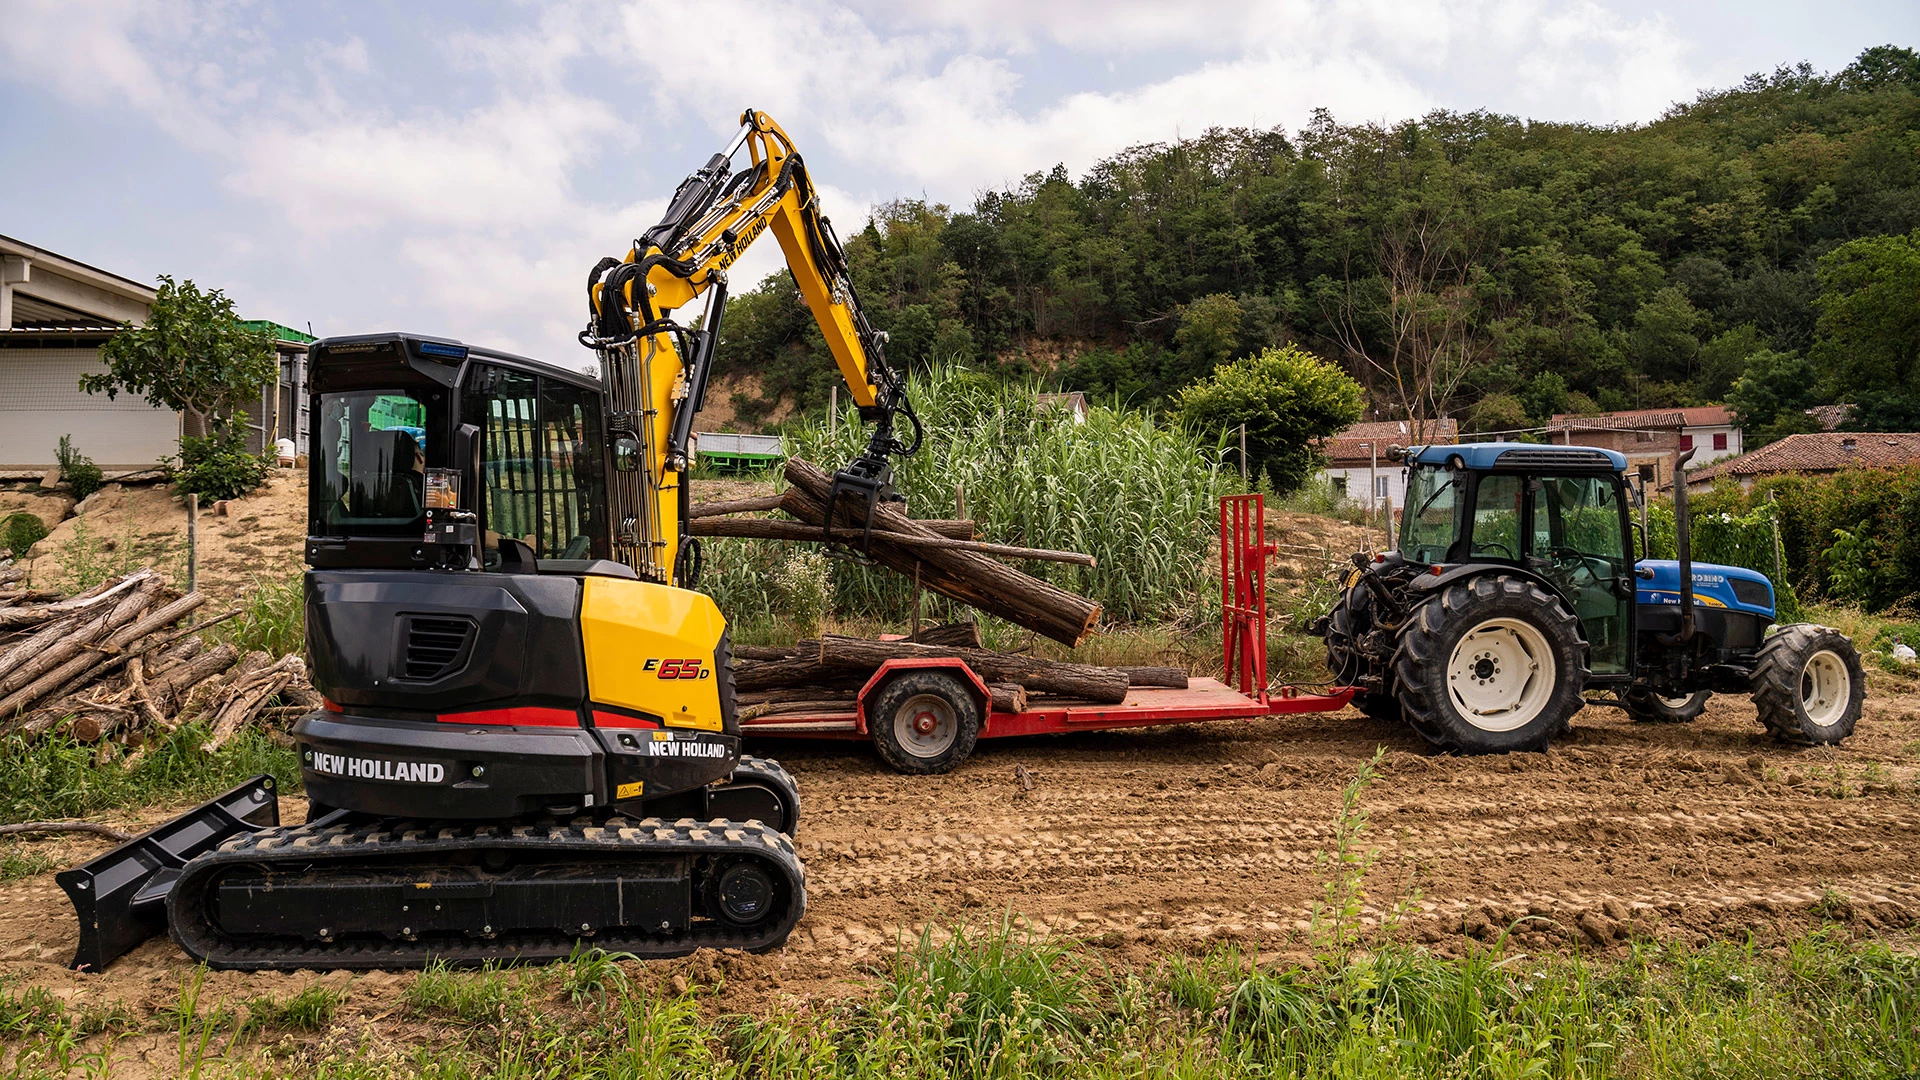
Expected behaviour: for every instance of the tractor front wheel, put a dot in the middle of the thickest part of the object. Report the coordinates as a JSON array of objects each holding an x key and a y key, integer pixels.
[
  {"x": 1808, "y": 685},
  {"x": 1494, "y": 664},
  {"x": 1648, "y": 706}
]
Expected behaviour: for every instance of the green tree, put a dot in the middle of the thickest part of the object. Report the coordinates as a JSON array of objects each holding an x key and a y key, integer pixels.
[
  {"x": 192, "y": 356},
  {"x": 1771, "y": 399},
  {"x": 1287, "y": 398},
  {"x": 1209, "y": 334},
  {"x": 1867, "y": 339}
]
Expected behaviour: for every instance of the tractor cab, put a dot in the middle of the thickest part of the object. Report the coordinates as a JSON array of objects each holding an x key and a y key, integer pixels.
[{"x": 1556, "y": 514}]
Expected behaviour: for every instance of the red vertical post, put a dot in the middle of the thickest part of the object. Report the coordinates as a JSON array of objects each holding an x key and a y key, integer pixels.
[{"x": 1243, "y": 592}]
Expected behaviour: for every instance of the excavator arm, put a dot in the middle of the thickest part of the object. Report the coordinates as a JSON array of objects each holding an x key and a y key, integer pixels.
[{"x": 656, "y": 368}]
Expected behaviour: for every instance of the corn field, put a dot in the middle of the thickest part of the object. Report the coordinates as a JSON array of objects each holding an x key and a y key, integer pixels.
[{"x": 1140, "y": 495}]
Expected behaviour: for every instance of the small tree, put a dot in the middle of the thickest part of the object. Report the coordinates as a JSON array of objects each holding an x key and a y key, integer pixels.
[
  {"x": 1287, "y": 398},
  {"x": 193, "y": 356}
]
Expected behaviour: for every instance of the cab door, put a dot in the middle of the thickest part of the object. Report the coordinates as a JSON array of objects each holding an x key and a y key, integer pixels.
[{"x": 1577, "y": 538}]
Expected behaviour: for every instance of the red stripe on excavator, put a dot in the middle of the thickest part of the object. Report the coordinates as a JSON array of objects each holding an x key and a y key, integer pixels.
[
  {"x": 523, "y": 716},
  {"x": 603, "y": 718}
]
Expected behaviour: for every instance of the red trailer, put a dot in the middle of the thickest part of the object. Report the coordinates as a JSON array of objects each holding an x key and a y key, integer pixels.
[{"x": 925, "y": 715}]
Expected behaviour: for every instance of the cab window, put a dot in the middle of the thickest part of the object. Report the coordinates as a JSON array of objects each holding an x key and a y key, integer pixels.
[
  {"x": 1496, "y": 517},
  {"x": 372, "y": 451}
]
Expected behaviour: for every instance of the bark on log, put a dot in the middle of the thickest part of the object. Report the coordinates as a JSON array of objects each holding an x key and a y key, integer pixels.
[
  {"x": 248, "y": 696},
  {"x": 830, "y": 692},
  {"x": 1106, "y": 685},
  {"x": 51, "y": 654},
  {"x": 87, "y": 601},
  {"x": 209, "y": 693},
  {"x": 959, "y": 635},
  {"x": 1156, "y": 676},
  {"x": 1008, "y": 697},
  {"x": 127, "y": 641},
  {"x": 953, "y": 529},
  {"x": 842, "y": 702},
  {"x": 32, "y": 647},
  {"x": 173, "y": 656},
  {"x": 190, "y": 674},
  {"x": 25, "y": 827},
  {"x": 771, "y": 529},
  {"x": 765, "y": 652},
  {"x": 775, "y": 674},
  {"x": 966, "y": 576},
  {"x": 140, "y": 695}
]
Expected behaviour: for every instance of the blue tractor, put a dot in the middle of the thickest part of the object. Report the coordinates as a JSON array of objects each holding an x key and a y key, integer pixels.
[{"x": 1515, "y": 592}]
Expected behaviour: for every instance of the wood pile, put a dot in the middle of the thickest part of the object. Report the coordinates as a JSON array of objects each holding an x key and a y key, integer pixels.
[
  {"x": 114, "y": 666},
  {"x": 940, "y": 556},
  {"x": 826, "y": 675}
]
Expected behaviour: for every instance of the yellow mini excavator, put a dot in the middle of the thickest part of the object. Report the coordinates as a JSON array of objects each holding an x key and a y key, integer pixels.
[{"x": 529, "y": 737}]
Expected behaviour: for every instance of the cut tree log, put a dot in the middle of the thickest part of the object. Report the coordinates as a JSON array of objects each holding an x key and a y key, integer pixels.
[
  {"x": 959, "y": 635},
  {"x": 771, "y": 529},
  {"x": 207, "y": 665},
  {"x": 1008, "y": 697},
  {"x": 174, "y": 655},
  {"x": 128, "y": 641},
  {"x": 211, "y": 692},
  {"x": 86, "y": 601},
  {"x": 33, "y": 646},
  {"x": 1156, "y": 676},
  {"x": 844, "y": 702},
  {"x": 1105, "y": 685},
  {"x": 248, "y": 696},
  {"x": 844, "y": 691},
  {"x": 755, "y": 504},
  {"x": 130, "y": 608},
  {"x": 756, "y": 653},
  {"x": 969, "y": 577}
]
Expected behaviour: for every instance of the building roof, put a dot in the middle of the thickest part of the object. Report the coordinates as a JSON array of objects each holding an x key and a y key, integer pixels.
[
  {"x": 1363, "y": 441},
  {"x": 20, "y": 247},
  {"x": 1694, "y": 416},
  {"x": 1830, "y": 417},
  {"x": 1820, "y": 452}
]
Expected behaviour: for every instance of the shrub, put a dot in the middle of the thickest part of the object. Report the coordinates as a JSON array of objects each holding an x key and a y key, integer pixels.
[
  {"x": 1286, "y": 397},
  {"x": 77, "y": 469},
  {"x": 218, "y": 466},
  {"x": 21, "y": 531}
]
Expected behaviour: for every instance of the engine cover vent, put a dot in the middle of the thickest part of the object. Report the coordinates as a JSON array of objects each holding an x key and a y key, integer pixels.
[
  {"x": 1546, "y": 457},
  {"x": 436, "y": 645}
]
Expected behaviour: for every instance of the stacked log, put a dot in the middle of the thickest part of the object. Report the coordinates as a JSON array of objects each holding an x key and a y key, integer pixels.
[
  {"x": 114, "y": 666},
  {"x": 818, "y": 676}
]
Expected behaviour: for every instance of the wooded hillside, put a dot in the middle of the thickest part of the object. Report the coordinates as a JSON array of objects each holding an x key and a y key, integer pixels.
[{"x": 1465, "y": 264}]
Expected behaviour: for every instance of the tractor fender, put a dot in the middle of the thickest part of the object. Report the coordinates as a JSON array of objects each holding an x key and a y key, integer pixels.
[
  {"x": 973, "y": 681},
  {"x": 1431, "y": 583}
]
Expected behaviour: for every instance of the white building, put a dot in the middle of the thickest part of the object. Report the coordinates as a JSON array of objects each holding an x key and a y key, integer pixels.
[
  {"x": 1360, "y": 459},
  {"x": 1710, "y": 431}
]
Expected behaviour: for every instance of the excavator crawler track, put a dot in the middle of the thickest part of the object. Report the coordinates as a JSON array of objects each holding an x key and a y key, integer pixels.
[{"x": 397, "y": 874}]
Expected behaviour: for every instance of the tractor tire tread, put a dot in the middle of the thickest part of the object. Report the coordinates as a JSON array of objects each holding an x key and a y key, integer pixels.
[{"x": 1776, "y": 683}]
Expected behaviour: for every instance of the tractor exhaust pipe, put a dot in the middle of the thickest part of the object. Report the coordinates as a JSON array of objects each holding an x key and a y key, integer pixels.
[{"x": 1683, "y": 541}]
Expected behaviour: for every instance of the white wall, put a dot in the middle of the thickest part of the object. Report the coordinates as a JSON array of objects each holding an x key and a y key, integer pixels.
[
  {"x": 1392, "y": 478},
  {"x": 40, "y": 400},
  {"x": 1703, "y": 451}
]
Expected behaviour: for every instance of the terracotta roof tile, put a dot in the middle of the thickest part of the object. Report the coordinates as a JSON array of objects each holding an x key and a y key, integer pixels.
[
  {"x": 1350, "y": 445},
  {"x": 1820, "y": 451},
  {"x": 1695, "y": 416}
]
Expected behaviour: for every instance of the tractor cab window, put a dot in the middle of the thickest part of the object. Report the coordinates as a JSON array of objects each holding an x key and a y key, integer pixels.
[
  {"x": 542, "y": 480},
  {"x": 373, "y": 451},
  {"x": 1430, "y": 519},
  {"x": 1496, "y": 517},
  {"x": 1579, "y": 544}
]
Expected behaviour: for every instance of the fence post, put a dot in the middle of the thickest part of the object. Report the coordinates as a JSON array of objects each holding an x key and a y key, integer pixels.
[
  {"x": 193, "y": 539},
  {"x": 1779, "y": 554},
  {"x": 1243, "y": 454}
]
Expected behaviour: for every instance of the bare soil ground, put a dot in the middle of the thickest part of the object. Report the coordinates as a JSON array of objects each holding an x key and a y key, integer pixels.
[{"x": 1181, "y": 838}]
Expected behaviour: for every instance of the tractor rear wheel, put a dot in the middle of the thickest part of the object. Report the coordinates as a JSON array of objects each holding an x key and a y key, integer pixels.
[
  {"x": 924, "y": 722},
  {"x": 1648, "y": 706},
  {"x": 1494, "y": 664},
  {"x": 1808, "y": 685}
]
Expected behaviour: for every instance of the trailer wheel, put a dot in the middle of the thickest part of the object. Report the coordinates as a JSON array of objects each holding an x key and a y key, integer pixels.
[
  {"x": 1808, "y": 685},
  {"x": 924, "y": 722},
  {"x": 1648, "y": 706},
  {"x": 1494, "y": 664}
]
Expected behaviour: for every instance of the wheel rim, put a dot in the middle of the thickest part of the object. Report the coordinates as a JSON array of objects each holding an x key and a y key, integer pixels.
[
  {"x": 925, "y": 725},
  {"x": 1675, "y": 703},
  {"x": 1825, "y": 688},
  {"x": 1501, "y": 674}
]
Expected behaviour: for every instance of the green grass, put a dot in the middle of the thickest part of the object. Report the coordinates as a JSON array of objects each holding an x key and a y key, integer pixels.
[
  {"x": 19, "y": 861},
  {"x": 272, "y": 618},
  {"x": 58, "y": 778},
  {"x": 993, "y": 1002}
]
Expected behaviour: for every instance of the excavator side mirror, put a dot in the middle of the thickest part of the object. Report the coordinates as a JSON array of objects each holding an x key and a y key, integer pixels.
[{"x": 626, "y": 454}]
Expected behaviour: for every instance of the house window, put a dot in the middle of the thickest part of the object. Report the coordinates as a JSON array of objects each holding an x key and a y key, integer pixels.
[
  {"x": 1686, "y": 442},
  {"x": 1719, "y": 440},
  {"x": 1340, "y": 484},
  {"x": 1379, "y": 487}
]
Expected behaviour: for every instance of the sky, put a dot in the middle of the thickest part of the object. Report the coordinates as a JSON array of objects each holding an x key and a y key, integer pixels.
[{"x": 457, "y": 168}]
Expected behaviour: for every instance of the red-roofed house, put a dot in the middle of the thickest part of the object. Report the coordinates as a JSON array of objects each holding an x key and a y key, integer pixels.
[
  {"x": 1817, "y": 453},
  {"x": 1360, "y": 456},
  {"x": 1651, "y": 436}
]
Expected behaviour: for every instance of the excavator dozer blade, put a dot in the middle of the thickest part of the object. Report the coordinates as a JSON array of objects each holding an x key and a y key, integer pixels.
[{"x": 121, "y": 897}]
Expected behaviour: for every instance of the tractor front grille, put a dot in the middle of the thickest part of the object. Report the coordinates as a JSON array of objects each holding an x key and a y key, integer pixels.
[
  {"x": 436, "y": 646},
  {"x": 1751, "y": 592}
]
